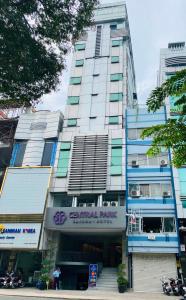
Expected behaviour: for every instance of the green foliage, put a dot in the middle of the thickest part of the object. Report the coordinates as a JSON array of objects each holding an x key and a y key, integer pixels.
[
  {"x": 121, "y": 280},
  {"x": 48, "y": 262},
  {"x": 172, "y": 134},
  {"x": 35, "y": 36}
]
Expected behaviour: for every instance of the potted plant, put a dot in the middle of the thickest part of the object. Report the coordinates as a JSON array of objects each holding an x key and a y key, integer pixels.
[
  {"x": 45, "y": 277},
  {"x": 121, "y": 280}
]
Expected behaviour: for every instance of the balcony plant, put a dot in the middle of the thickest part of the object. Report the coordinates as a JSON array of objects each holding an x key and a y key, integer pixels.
[{"x": 121, "y": 279}]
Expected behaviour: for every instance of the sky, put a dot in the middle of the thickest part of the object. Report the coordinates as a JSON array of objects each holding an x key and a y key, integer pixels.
[{"x": 153, "y": 24}]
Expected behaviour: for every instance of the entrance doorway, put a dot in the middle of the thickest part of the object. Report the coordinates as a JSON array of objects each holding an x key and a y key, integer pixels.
[{"x": 104, "y": 249}]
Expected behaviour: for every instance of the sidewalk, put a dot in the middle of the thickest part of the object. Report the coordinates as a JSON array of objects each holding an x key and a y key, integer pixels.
[{"x": 81, "y": 295}]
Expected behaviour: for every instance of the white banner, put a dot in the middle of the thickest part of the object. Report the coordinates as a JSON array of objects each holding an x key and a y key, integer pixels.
[{"x": 19, "y": 235}]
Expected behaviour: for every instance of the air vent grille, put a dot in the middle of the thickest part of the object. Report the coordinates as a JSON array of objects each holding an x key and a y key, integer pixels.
[
  {"x": 176, "y": 61},
  {"x": 88, "y": 169}
]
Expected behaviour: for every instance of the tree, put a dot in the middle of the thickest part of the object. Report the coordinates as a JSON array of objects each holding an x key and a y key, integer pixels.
[
  {"x": 35, "y": 35},
  {"x": 172, "y": 134}
]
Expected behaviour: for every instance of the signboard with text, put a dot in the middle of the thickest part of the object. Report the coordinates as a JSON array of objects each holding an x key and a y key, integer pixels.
[
  {"x": 64, "y": 218},
  {"x": 19, "y": 235},
  {"x": 93, "y": 271}
]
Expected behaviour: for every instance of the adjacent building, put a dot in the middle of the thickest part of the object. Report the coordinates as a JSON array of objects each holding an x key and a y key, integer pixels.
[
  {"x": 24, "y": 191},
  {"x": 173, "y": 59}
]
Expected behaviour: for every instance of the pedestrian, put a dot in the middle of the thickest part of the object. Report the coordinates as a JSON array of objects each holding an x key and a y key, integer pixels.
[{"x": 56, "y": 276}]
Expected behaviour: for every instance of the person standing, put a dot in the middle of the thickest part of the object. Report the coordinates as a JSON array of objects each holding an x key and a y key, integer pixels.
[{"x": 56, "y": 276}]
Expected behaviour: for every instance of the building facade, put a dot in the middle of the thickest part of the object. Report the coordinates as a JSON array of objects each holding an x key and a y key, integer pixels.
[
  {"x": 86, "y": 212},
  {"x": 153, "y": 243},
  {"x": 173, "y": 59},
  {"x": 24, "y": 190}
]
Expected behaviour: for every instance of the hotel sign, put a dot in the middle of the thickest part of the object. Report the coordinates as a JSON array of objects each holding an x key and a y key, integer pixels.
[{"x": 89, "y": 218}]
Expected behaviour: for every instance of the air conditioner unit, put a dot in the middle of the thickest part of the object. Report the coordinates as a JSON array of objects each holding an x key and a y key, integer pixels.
[
  {"x": 134, "y": 164},
  {"x": 135, "y": 194},
  {"x": 114, "y": 203},
  {"x": 166, "y": 194},
  {"x": 106, "y": 203},
  {"x": 163, "y": 163},
  {"x": 90, "y": 204},
  {"x": 82, "y": 204}
]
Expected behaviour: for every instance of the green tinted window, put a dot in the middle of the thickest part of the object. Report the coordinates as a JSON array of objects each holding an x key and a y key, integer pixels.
[
  {"x": 114, "y": 120},
  {"x": 117, "y": 43},
  {"x": 115, "y": 170},
  {"x": 73, "y": 100},
  {"x": 116, "y": 77},
  {"x": 79, "y": 47},
  {"x": 72, "y": 122},
  {"x": 116, "y": 143},
  {"x": 79, "y": 63},
  {"x": 116, "y": 97},
  {"x": 114, "y": 59},
  {"x": 63, "y": 161},
  {"x": 75, "y": 80}
]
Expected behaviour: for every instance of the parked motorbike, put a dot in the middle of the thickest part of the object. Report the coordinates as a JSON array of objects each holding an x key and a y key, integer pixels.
[
  {"x": 12, "y": 281},
  {"x": 166, "y": 287},
  {"x": 175, "y": 286}
]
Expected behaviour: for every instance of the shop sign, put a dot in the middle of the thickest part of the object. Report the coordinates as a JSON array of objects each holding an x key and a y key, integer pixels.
[
  {"x": 182, "y": 247},
  {"x": 60, "y": 216},
  {"x": 93, "y": 270},
  {"x": 69, "y": 217},
  {"x": 19, "y": 235}
]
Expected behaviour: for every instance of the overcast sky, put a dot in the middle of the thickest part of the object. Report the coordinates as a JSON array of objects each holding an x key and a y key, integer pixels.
[{"x": 153, "y": 24}]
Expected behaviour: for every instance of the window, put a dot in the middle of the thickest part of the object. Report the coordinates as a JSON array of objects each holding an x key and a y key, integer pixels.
[
  {"x": 49, "y": 153},
  {"x": 114, "y": 120},
  {"x": 159, "y": 190},
  {"x": 72, "y": 122},
  {"x": 73, "y": 100},
  {"x": 75, "y": 80},
  {"x": 79, "y": 63},
  {"x": 79, "y": 47},
  {"x": 142, "y": 160},
  {"x": 18, "y": 154},
  {"x": 114, "y": 97},
  {"x": 98, "y": 41},
  {"x": 116, "y": 157},
  {"x": 116, "y": 77},
  {"x": 135, "y": 133},
  {"x": 113, "y": 26},
  {"x": 159, "y": 225},
  {"x": 63, "y": 161},
  {"x": 114, "y": 59},
  {"x": 117, "y": 43}
]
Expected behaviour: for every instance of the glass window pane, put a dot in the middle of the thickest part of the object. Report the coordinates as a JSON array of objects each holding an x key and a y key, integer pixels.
[
  {"x": 79, "y": 47},
  {"x": 155, "y": 190},
  {"x": 116, "y": 152},
  {"x": 116, "y": 97},
  {"x": 73, "y": 100},
  {"x": 79, "y": 63},
  {"x": 132, "y": 135},
  {"x": 114, "y": 59},
  {"x": 20, "y": 154},
  {"x": 132, "y": 157},
  {"x": 133, "y": 187},
  {"x": 116, "y": 142},
  {"x": 142, "y": 160},
  {"x": 169, "y": 225},
  {"x": 47, "y": 154},
  {"x": 116, "y": 170},
  {"x": 75, "y": 80},
  {"x": 116, "y": 77},
  {"x": 72, "y": 122},
  {"x": 114, "y": 120},
  {"x": 153, "y": 161},
  {"x": 116, "y": 160},
  {"x": 144, "y": 190},
  {"x": 65, "y": 146},
  {"x": 116, "y": 43}
]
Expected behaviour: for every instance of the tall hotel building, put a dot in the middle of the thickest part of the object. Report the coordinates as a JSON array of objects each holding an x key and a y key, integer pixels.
[{"x": 87, "y": 212}]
